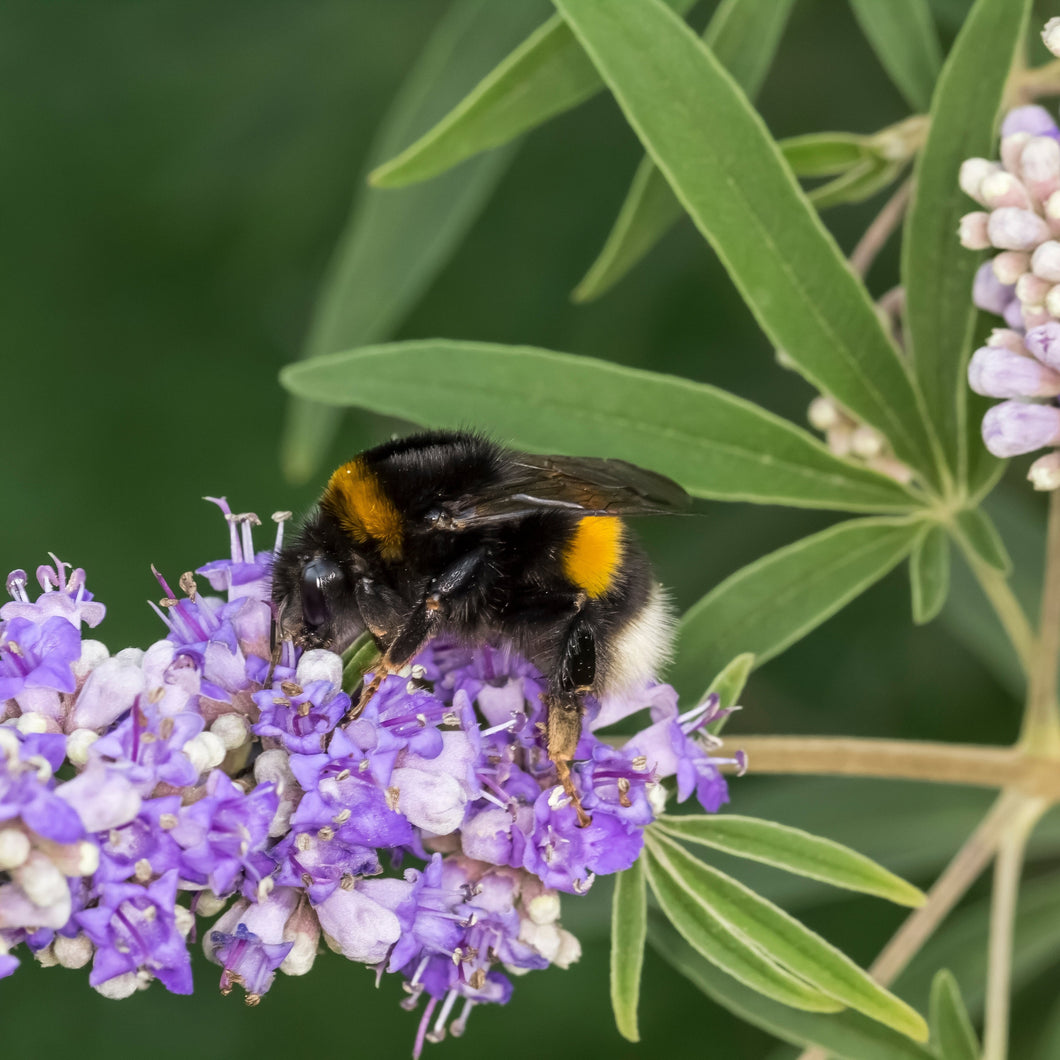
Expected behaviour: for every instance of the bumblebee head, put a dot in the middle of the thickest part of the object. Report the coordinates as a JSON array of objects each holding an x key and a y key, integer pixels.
[{"x": 314, "y": 598}]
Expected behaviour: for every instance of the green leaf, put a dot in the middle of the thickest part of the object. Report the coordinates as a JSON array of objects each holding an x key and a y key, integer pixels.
[
  {"x": 728, "y": 173},
  {"x": 727, "y": 686},
  {"x": 929, "y": 573},
  {"x": 715, "y": 444},
  {"x": 743, "y": 35},
  {"x": 357, "y": 660},
  {"x": 779, "y": 598},
  {"x": 629, "y": 926},
  {"x": 795, "y": 851},
  {"x": 394, "y": 244},
  {"x": 979, "y": 533},
  {"x": 824, "y": 154},
  {"x": 784, "y": 938},
  {"x": 951, "y": 1029},
  {"x": 902, "y": 35},
  {"x": 843, "y": 1036},
  {"x": 858, "y": 183},
  {"x": 936, "y": 270},
  {"x": 723, "y": 945},
  {"x": 545, "y": 75}
]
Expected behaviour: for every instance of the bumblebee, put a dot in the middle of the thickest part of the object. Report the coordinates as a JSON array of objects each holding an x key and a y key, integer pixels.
[{"x": 446, "y": 532}]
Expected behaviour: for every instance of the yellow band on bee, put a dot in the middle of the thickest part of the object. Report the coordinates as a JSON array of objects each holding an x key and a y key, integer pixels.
[
  {"x": 355, "y": 496},
  {"x": 593, "y": 553}
]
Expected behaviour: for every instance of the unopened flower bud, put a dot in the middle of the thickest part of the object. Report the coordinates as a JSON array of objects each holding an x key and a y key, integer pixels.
[
  {"x": 1045, "y": 261},
  {"x": 121, "y": 986},
  {"x": 1010, "y": 265},
  {"x": 972, "y": 231},
  {"x": 1044, "y": 473},
  {"x": 1032, "y": 289},
  {"x": 1011, "y": 228},
  {"x": 1011, "y": 148},
  {"x": 232, "y": 730},
  {"x": 1044, "y": 343},
  {"x": 78, "y": 743},
  {"x": 31, "y": 722},
  {"x": 1052, "y": 207},
  {"x": 1007, "y": 339},
  {"x": 73, "y": 953},
  {"x": 93, "y": 652},
  {"x": 866, "y": 442},
  {"x": 973, "y": 172},
  {"x": 1003, "y": 189},
  {"x": 319, "y": 665},
  {"x": 1031, "y": 120},
  {"x": 1015, "y": 427},
  {"x": 205, "y": 751},
  {"x": 1052, "y": 301},
  {"x": 14, "y": 848},
  {"x": 997, "y": 372},
  {"x": 1051, "y": 35},
  {"x": 1040, "y": 166},
  {"x": 823, "y": 414},
  {"x": 989, "y": 293},
  {"x": 1033, "y": 315}
]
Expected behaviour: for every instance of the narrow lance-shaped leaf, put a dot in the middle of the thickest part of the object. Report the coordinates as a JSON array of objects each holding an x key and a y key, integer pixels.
[
  {"x": 545, "y": 75},
  {"x": 629, "y": 925},
  {"x": 774, "y": 601},
  {"x": 902, "y": 35},
  {"x": 727, "y": 686},
  {"x": 394, "y": 244},
  {"x": 843, "y": 1035},
  {"x": 715, "y": 444},
  {"x": 793, "y": 850},
  {"x": 722, "y": 945},
  {"x": 743, "y": 35},
  {"x": 929, "y": 574},
  {"x": 951, "y": 1029},
  {"x": 728, "y": 173},
  {"x": 936, "y": 270},
  {"x": 785, "y": 939}
]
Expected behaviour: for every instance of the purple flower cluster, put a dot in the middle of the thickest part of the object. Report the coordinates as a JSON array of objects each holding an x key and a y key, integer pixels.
[
  {"x": 207, "y": 777},
  {"x": 1021, "y": 283}
]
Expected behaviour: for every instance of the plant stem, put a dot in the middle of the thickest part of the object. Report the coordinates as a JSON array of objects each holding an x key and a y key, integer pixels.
[
  {"x": 982, "y": 766},
  {"x": 1008, "y": 609},
  {"x": 1041, "y": 724},
  {"x": 877, "y": 234},
  {"x": 1002, "y": 918},
  {"x": 951, "y": 886}
]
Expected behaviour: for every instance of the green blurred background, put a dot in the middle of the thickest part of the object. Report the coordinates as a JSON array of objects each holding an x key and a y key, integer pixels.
[{"x": 174, "y": 177}]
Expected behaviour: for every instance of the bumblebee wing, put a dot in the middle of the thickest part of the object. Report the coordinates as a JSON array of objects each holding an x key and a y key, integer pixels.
[{"x": 586, "y": 485}]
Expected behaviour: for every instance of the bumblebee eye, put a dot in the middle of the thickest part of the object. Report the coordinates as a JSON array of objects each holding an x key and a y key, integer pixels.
[{"x": 317, "y": 575}]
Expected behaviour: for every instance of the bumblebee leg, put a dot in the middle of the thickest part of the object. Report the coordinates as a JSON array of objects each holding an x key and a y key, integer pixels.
[
  {"x": 443, "y": 594},
  {"x": 565, "y": 700}
]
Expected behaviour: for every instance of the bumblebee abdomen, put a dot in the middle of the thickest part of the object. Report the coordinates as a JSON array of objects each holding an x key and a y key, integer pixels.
[{"x": 593, "y": 554}]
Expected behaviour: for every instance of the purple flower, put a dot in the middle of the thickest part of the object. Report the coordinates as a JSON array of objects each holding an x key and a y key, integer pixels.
[
  {"x": 134, "y": 929},
  {"x": 38, "y": 655},
  {"x": 221, "y": 832},
  {"x": 248, "y": 961}
]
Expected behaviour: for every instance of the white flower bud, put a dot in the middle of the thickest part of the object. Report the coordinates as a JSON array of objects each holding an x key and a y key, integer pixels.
[
  {"x": 208, "y": 904},
  {"x": 1052, "y": 207},
  {"x": 131, "y": 655},
  {"x": 1040, "y": 166},
  {"x": 184, "y": 920},
  {"x": 31, "y": 722},
  {"x": 544, "y": 908},
  {"x": 972, "y": 230},
  {"x": 1044, "y": 473},
  {"x": 1011, "y": 228},
  {"x": 1010, "y": 265},
  {"x": 78, "y": 743},
  {"x": 570, "y": 950},
  {"x": 1045, "y": 261},
  {"x": 1012, "y": 148},
  {"x": 1032, "y": 289},
  {"x": 93, "y": 652},
  {"x": 866, "y": 442},
  {"x": 1003, "y": 189},
  {"x": 1052, "y": 301},
  {"x": 14, "y": 848},
  {"x": 46, "y": 957},
  {"x": 1034, "y": 316},
  {"x": 973, "y": 172},
  {"x": 319, "y": 665},
  {"x": 823, "y": 413},
  {"x": 205, "y": 751},
  {"x": 120, "y": 987},
  {"x": 42, "y": 882},
  {"x": 1051, "y": 35},
  {"x": 73, "y": 953},
  {"x": 232, "y": 730},
  {"x": 1007, "y": 339}
]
